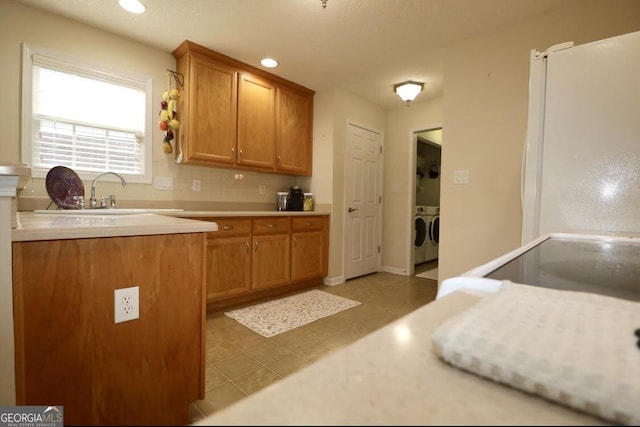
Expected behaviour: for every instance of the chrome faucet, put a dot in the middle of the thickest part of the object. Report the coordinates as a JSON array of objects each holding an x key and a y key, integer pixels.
[{"x": 92, "y": 201}]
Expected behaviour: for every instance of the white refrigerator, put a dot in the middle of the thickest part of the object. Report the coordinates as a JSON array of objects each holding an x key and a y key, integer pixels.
[
  {"x": 582, "y": 160},
  {"x": 581, "y": 175}
]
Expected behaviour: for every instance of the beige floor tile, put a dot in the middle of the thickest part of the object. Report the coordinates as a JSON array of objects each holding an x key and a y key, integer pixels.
[
  {"x": 313, "y": 352},
  {"x": 237, "y": 365},
  {"x": 257, "y": 379},
  {"x": 194, "y": 413},
  {"x": 213, "y": 377},
  {"x": 293, "y": 339},
  {"x": 288, "y": 365},
  {"x": 268, "y": 352},
  {"x": 219, "y": 398},
  {"x": 218, "y": 351}
]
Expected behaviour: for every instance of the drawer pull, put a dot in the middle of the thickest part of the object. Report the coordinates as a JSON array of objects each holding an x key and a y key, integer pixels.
[
  {"x": 308, "y": 224},
  {"x": 227, "y": 227},
  {"x": 272, "y": 225}
]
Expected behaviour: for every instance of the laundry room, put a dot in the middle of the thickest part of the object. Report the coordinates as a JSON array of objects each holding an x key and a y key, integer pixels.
[{"x": 427, "y": 202}]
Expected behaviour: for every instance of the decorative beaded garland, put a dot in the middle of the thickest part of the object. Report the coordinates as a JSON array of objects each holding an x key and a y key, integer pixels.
[{"x": 168, "y": 115}]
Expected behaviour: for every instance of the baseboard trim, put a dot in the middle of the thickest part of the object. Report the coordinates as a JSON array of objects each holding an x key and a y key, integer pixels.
[
  {"x": 333, "y": 281},
  {"x": 395, "y": 270}
]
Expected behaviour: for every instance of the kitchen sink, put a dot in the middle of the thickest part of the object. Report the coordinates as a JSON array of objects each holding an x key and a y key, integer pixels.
[{"x": 106, "y": 211}]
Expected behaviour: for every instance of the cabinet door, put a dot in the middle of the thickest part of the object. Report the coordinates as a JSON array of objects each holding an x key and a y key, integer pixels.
[
  {"x": 256, "y": 122},
  {"x": 294, "y": 144},
  {"x": 271, "y": 260},
  {"x": 210, "y": 132},
  {"x": 307, "y": 255},
  {"x": 228, "y": 267}
]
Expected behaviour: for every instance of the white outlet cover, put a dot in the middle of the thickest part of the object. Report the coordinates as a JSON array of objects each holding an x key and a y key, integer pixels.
[
  {"x": 163, "y": 183},
  {"x": 126, "y": 304},
  {"x": 196, "y": 185},
  {"x": 461, "y": 176}
]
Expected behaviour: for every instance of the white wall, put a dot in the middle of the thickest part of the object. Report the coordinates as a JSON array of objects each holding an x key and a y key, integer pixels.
[
  {"x": 485, "y": 113},
  {"x": 399, "y": 178},
  {"x": 340, "y": 107}
]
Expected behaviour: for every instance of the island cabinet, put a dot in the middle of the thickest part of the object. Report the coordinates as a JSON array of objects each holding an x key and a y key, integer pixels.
[
  {"x": 250, "y": 259},
  {"x": 236, "y": 115},
  {"x": 69, "y": 350}
]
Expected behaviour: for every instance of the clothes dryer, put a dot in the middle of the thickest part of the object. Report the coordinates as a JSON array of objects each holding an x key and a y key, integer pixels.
[
  {"x": 420, "y": 235},
  {"x": 432, "y": 216}
]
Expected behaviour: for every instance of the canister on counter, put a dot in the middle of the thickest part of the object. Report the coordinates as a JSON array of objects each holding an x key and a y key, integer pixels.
[{"x": 308, "y": 201}]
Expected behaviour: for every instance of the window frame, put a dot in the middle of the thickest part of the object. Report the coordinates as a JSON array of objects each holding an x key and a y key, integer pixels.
[{"x": 27, "y": 112}]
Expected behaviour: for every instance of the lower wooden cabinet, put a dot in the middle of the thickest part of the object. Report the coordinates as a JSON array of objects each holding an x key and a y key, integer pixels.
[
  {"x": 69, "y": 351},
  {"x": 254, "y": 258},
  {"x": 309, "y": 248}
]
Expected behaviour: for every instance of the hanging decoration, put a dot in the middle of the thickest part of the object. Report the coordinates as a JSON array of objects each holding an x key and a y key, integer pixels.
[{"x": 168, "y": 116}]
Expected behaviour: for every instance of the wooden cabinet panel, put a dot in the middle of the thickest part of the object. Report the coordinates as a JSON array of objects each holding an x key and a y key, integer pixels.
[
  {"x": 294, "y": 141},
  {"x": 271, "y": 260},
  {"x": 308, "y": 255},
  {"x": 256, "y": 122},
  {"x": 208, "y": 110},
  {"x": 309, "y": 223},
  {"x": 228, "y": 227},
  {"x": 229, "y": 267},
  {"x": 271, "y": 225},
  {"x": 70, "y": 352}
]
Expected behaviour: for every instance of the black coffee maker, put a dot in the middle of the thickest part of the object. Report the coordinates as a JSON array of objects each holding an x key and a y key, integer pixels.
[{"x": 296, "y": 198}]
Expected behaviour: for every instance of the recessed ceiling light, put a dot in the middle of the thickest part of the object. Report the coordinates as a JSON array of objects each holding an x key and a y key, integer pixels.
[
  {"x": 269, "y": 62},
  {"x": 133, "y": 6}
]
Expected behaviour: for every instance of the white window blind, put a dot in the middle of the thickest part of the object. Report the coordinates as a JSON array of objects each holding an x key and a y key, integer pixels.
[{"x": 86, "y": 118}]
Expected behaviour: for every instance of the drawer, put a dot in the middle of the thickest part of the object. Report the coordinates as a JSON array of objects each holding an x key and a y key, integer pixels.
[
  {"x": 229, "y": 227},
  {"x": 271, "y": 225},
  {"x": 309, "y": 223}
]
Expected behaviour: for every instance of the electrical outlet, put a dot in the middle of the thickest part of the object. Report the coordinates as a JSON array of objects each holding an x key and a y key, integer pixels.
[
  {"x": 196, "y": 185},
  {"x": 125, "y": 304},
  {"x": 262, "y": 189},
  {"x": 163, "y": 183}
]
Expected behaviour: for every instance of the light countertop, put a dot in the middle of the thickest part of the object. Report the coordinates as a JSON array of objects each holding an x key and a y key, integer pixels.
[
  {"x": 223, "y": 214},
  {"x": 393, "y": 377},
  {"x": 32, "y": 226}
]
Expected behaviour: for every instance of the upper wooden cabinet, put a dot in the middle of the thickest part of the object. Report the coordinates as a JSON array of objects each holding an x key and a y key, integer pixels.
[{"x": 236, "y": 115}]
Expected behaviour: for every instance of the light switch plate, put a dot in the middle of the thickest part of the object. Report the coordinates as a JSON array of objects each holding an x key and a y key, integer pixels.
[{"x": 461, "y": 176}]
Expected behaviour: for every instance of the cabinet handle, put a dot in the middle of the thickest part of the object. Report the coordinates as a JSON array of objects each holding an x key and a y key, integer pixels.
[
  {"x": 240, "y": 154},
  {"x": 295, "y": 242},
  {"x": 248, "y": 246},
  {"x": 279, "y": 161},
  {"x": 227, "y": 227},
  {"x": 308, "y": 224},
  {"x": 256, "y": 245},
  {"x": 272, "y": 225},
  {"x": 233, "y": 153}
]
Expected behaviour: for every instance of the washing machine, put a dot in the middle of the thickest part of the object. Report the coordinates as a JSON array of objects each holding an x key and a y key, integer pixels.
[
  {"x": 432, "y": 240},
  {"x": 421, "y": 226}
]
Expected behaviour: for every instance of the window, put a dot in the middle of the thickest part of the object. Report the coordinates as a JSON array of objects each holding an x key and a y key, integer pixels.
[{"x": 83, "y": 116}]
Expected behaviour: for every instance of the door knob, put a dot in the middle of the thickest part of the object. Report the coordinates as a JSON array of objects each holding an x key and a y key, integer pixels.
[{"x": 352, "y": 209}]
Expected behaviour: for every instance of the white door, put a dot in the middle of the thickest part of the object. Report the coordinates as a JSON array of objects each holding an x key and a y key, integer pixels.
[{"x": 362, "y": 201}]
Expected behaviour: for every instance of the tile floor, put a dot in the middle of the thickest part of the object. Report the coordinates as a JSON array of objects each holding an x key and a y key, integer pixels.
[{"x": 241, "y": 362}]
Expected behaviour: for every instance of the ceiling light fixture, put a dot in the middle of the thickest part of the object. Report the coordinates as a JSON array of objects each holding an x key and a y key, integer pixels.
[
  {"x": 269, "y": 62},
  {"x": 408, "y": 90},
  {"x": 324, "y": 3},
  {"x": 133, "y": 6}
]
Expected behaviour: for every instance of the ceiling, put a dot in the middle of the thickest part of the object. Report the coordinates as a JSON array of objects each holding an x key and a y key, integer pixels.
[{"x": 362, "y": 46}]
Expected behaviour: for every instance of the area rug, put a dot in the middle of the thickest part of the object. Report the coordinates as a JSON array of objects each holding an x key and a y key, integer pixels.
[
  {"x": 278, "y": 316},
  {"x": 429, "y": 274}
]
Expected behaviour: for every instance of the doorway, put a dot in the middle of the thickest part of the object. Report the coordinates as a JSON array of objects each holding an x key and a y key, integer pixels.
[{"x": 426, "y": 200}]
